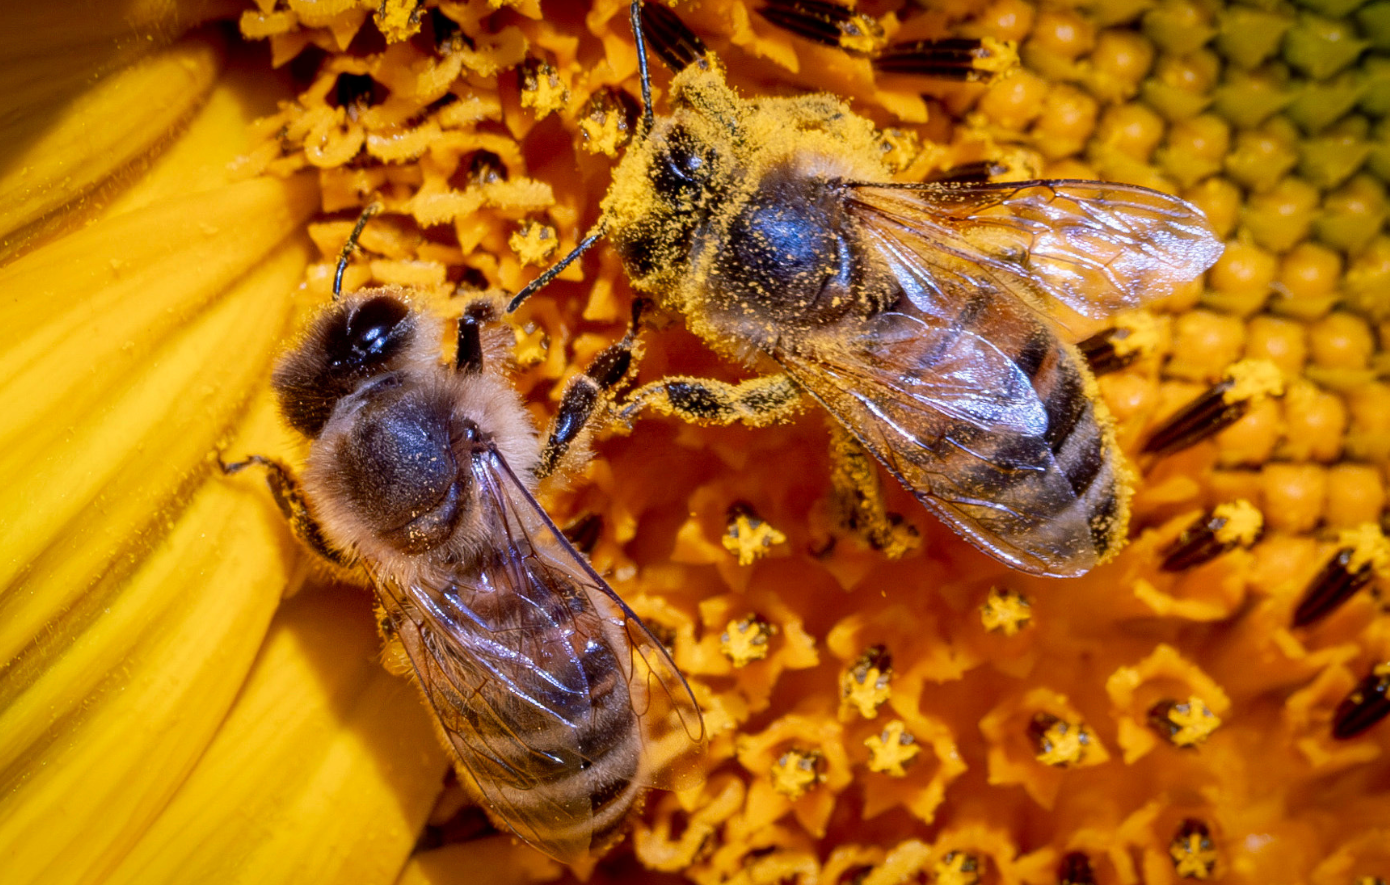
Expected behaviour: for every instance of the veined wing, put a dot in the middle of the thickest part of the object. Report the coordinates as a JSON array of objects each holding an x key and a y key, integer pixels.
[
  {"x": 1097, "y": 247},
  {"x": 558, "y": 702},
  {"x": 1006, "y": 452}
]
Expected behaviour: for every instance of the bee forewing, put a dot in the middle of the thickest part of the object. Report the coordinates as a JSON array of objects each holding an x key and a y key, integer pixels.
[
  {"x": 673, "y": 730},
  {"x": 558, "y": 703},
  {"x": 1096, "y": 247},
  {"x": 1005, "y": 451}
]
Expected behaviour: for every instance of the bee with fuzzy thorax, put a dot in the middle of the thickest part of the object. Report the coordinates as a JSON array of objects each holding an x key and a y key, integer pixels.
[
  {"x": 558, "y": 706},
  {"x": 922, "y": 316}
]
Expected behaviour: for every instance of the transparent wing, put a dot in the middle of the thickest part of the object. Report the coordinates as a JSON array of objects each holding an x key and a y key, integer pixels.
[
  {"x": 1096, "y": 247},
  {"x": 517, "y": 660},
  {"x": 959, "y": 424}
]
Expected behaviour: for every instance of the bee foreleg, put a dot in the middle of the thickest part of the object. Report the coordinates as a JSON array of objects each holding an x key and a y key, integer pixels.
[
  {"x": 585, "y": 392},
  {"x": 757, "y": 402},
  {"x": 857, "y": 495},
  {"x": 288, "y": 496}
]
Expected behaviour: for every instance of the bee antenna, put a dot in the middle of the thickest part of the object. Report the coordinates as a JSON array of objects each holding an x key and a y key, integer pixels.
[
  {"x": 351, "y": 244},
  {"x": 539, "y": 282},
  {"x": 636, "y": 14}
]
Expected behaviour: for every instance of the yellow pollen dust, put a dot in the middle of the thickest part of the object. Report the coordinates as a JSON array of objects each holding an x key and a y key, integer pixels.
[
  {"x": 796, "y": 772},
  {"x": 604, "y": 127},
  {"x": 398, "y": 20},
  {"x": 1194, "y": 857},
  {"x": 996, "y": 56},
  {"x": 1252, "y": 380},
  {"x": 1195, "y": 722},
  {"x": 545, "y": 92},
  {"x": 534, "y": 243},
  {"x": 746, "y": 641},
  {"x": 1368, "y": 546},
  {"x": 864, "y": 689},
  {"x": 532, "y": 345},
  {"x": 901, "y": 148},
  {"x": 1243, "y": 523},
  {"x": 1005, "y": 612},
  {"x": 749, "y": 538},
  {"x": 957, "y": 868},
  {"x": 1142, "y": 334},
  {"x": 1063, "y": 744},
  {"x": 862, "y": 34},
  {"x": 893, "y": 750}
]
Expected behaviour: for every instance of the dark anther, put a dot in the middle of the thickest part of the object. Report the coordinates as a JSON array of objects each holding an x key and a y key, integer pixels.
[
  {"x": 875, "y": 657},
  {"x": 973, "y": 173},
  {"x": 956, "y": 58},
  {"x": 674, "y": 43},
  {"x": 1205, "y": 416},
  {"x": 1368, "y": 703},
  {"x": 1075, "y": 869},
  {"x": 485, "y": 167},
  {"x": 1219, "y": 530},
  {"x": 355, "y": 89},
  {"x": 1099, "y": 350},
  {"x": 585, "y": 532},
  {"x": 1335, "y": 584}
]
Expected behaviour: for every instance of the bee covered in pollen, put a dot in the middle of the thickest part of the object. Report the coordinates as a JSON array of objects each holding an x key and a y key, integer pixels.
[
  {"x": 923, "y": 316},
  {"x": 557, "y": 704}
]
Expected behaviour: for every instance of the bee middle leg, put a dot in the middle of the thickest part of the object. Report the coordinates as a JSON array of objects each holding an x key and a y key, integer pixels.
[
  {"x": 857, "y": 497},
  {"x": 589, "y": 393},
  {"x": 757, "y": 402},
  {"x": 284, "y": 488}
]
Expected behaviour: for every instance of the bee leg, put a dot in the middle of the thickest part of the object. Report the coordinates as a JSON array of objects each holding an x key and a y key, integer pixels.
[
  {"x": 585, "y": 392},
  {"x": 857, "y": 494},
  {"x": 757, "y": 402},
  {"x": 284, "y": 488}
]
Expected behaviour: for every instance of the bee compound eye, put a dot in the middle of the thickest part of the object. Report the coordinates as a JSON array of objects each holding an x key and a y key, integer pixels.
[
  {"x": 370, "y": 334},
  {"x": 682, "y": 164}
]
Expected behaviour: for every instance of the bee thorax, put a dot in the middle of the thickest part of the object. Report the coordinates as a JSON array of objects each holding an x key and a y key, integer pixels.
[{"x": 398, "y": 469}]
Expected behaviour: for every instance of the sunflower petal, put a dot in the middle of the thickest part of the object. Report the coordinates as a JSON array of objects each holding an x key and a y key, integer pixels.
[
  {"x": 59, "y": 155},
  {"x": 324, "y": 771}
]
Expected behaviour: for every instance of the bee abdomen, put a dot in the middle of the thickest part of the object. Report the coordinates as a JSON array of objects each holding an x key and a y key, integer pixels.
[
  {"x": 1071, "y": 509},
  {"x": 1080, "y": 443},
  {"x": 585, "y": 764}
]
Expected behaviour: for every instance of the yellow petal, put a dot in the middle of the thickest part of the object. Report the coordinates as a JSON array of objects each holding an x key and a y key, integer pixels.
[
  {"x": 55, "y": 157},
  {"x": 106, "y": 714},
  {"x": 130, "y": 360},
  {"x": 323, "y": 772}
]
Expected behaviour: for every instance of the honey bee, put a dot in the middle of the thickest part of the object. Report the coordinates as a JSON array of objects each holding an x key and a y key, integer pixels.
[
  {"x": 557, "y": 704},
  {"x": 922, "y": 316}
]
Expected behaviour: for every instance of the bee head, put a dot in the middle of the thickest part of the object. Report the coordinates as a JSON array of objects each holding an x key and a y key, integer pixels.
[{"x": 350, "y": 341}]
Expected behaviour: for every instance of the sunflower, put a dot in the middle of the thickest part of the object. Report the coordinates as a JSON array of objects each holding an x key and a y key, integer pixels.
[{"x": 186, "y": 696}]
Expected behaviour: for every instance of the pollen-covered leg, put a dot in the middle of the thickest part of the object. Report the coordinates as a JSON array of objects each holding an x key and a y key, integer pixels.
[
  {"x": 284, "y": 488},
  {"x": 757, "y": 402},
  {"x": 587, "y": 393},
  {"x": 857, "y": 494}
]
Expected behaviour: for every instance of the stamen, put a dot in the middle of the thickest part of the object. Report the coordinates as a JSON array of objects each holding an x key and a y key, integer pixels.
[
  {"x": 1133, "y": 336},
  {"x": 1075, "y": 869},
  {"x": 828, "y": 24},
  {"x": 1192, "y": 851},
  {"x": 1057, "y": 742},
  {"x": 1220, "y": 530},
  {"x": 1363, "y": 554},
  {"x": 1225, "y": 403},
  {"x": 1368, "y": 703},
  {"x": 1183, "y": 724},
  {"x": 955, "y": 58},
  {"x": 676, "y": 45}
]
